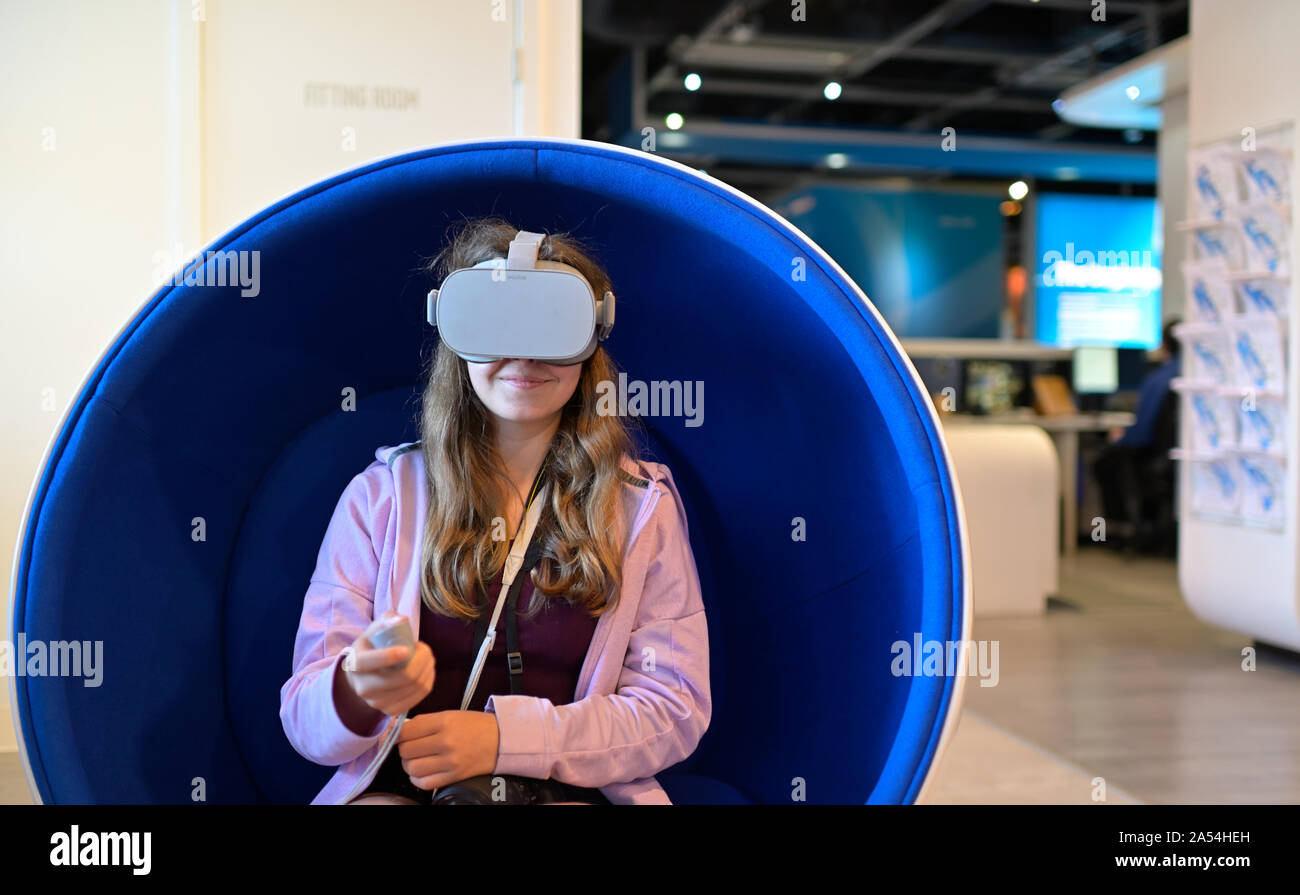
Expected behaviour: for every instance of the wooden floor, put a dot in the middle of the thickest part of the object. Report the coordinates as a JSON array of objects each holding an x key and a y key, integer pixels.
[
  {"x": 1124, "y": 683},
  {"x": 13, "y": 788},
  {"x": 987, "y": 765},
  {"x": 1119, "y": 681}
]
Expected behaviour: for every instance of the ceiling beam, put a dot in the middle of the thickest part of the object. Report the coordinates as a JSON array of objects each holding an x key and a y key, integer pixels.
[
  {"x": 1087, "y": 49},
  {"x": 866, "y": 95},
  {"x": 823, "y": 55},
  {"x": 875, "y": 151},
  {"x": 716, "y": 45},
  {"x": 1057, "y": 131},
  {"x": 949, "y": 13}
]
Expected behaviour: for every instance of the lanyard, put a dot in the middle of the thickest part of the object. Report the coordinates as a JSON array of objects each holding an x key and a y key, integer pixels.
[
  {"x": 515, "y": 561},
  {"x": 524, "y": 554}
]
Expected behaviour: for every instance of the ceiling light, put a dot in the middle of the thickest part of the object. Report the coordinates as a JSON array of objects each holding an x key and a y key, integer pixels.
[
  {"x": 837, "y": 160},
  {"x": 692, "y": 81},
  {"x": 674, "y": 120},
  {"x": 832, "y": 90},
  {"x": 1132, "y": 91},
  {"x": 1018, "y": 190}
]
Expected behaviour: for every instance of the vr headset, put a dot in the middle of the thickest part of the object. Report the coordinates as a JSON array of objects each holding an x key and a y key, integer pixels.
[{"x": 525, "y": 308}]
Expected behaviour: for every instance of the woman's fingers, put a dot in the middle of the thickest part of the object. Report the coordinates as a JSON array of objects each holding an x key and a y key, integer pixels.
[
  {"x": 431, "y": 772},
  {"x": 427, "y": 670},
  {"x": 382, "y": 681},
  {"x": 377, "y": 670},
  {"x": 377, "y": 683},
  {"x": 389, "y": 696},
  {"x": 365, "y": 661},
  {"x": 425, "y": 765},
  {"x": 400, "y": 698}
]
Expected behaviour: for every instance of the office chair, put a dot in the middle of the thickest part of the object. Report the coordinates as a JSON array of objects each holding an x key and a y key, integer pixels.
[{"x": 1156, "y": 522}]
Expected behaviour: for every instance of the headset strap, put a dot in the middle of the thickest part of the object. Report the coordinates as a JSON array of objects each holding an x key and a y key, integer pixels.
[{"x": 523, "y": 250}]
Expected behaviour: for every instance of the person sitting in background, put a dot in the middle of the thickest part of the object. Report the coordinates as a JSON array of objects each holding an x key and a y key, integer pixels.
[{"x": 1118, "y": 464}]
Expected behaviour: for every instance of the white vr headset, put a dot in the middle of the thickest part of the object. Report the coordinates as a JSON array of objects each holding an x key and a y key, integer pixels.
[{"x": 522, "y": 307}]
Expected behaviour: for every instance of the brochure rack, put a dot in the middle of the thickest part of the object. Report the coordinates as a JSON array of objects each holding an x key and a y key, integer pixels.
[{"x": 1237, "y": 478}]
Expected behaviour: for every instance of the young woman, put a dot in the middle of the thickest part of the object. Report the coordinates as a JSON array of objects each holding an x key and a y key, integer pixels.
[{"x": 610, "y": 671}]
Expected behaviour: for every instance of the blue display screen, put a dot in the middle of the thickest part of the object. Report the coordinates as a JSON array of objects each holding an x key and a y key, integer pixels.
[
  {"x": 931, "y": 262},
  {"x": 1097, "y": 280}
]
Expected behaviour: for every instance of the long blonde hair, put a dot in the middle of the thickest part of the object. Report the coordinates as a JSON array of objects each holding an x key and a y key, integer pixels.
[{"x": 582, "y": 527}]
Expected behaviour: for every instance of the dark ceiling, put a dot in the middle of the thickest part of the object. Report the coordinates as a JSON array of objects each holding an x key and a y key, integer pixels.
[{"x": 981, "y": 66}]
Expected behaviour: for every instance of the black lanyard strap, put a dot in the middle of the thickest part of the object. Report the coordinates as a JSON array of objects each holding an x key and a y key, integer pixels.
[
  {"x": 531, "y": 557},
  {"x": 513, "y": 655}
]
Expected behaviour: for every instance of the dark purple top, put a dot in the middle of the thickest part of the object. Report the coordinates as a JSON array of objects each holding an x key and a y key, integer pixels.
[{"x": 553, "y": 646}]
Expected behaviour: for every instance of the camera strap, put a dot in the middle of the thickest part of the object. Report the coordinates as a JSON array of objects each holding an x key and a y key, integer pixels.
[
  {"x": 513, "y": 655},
  {"x": 524, "y": 554}
]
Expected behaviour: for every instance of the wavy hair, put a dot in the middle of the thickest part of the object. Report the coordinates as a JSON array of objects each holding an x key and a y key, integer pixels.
[{"x": 582, "y": 527}]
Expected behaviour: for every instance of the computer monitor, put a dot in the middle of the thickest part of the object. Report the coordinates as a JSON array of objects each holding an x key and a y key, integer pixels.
[
  {"x": 1132, "y": 368},
  {"x": 991, "y": 385},
  {"x": 1096, "y": 370}
]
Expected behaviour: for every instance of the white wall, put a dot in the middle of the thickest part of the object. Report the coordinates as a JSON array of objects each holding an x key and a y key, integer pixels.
[
  {"x": 354, "y": 82},
  {"x": 172, "y": 120},
  {"x": 1243, "y": 72},
  {"x": 85, "y": 204}
]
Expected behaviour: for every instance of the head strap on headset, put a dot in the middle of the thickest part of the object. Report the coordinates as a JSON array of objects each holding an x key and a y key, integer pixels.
[{"x": 523, "y": 250}]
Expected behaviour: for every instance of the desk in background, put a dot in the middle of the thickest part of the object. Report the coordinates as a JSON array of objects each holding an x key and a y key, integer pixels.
[{"x": 1065, "y": 434}]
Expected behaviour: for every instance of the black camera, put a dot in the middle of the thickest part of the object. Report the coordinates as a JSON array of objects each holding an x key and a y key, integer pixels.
[{"x": 512, "y": 790}]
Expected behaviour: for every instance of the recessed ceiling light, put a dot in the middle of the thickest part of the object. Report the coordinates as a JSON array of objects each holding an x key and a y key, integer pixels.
[
  {"x": 674, "y": 120},
  {"x": 832, "y": 90},
  {"x": 692, "y": 81},
  {"x": 1018, "y": 190}
]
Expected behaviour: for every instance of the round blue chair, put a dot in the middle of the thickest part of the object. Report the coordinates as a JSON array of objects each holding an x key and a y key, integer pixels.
[{"x": 177, "y": 515}]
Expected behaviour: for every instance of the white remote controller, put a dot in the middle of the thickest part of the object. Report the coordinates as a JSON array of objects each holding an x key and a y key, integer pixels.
[{"x": 391, "y": 631}]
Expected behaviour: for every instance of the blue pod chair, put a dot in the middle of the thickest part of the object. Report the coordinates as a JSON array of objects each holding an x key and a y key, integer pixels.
[{"x": 226, "y": 407}]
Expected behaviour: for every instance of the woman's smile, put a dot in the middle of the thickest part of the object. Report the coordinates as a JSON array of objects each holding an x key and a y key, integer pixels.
[
  {"x": 524, "y": 383},
  {"x": 523, "y": 390}
]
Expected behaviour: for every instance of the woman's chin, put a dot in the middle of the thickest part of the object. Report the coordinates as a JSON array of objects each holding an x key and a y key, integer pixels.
[{"x": 524, "y": 412}]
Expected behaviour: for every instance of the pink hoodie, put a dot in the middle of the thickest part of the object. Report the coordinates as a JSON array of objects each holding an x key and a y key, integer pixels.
[{"x": 642, "y": 702}]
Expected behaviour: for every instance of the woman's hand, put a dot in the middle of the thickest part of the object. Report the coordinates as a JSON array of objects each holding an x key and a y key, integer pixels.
[
  {"x": 379, "y": 679},
  {"x": 440, "y": 748}
]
